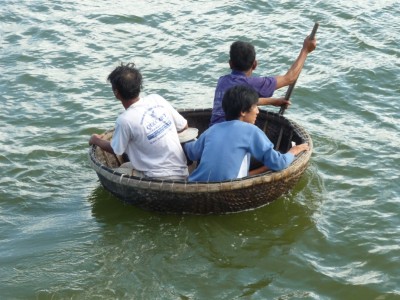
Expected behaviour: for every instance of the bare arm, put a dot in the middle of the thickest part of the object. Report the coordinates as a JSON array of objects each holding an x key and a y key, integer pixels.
[
  {"x": 299, "y": 148},
  {"x": 294, "y": 71},
  {"x": 186, "y": 127},
  {"x": 96, "y": 139},
  {"x": 294, "y": 150},
  {"x": 273, "y": 101},
  {"x": 258, "y": 171}
]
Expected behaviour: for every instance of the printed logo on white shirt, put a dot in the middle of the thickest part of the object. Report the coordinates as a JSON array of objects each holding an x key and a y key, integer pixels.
[{"x": 156, "y": 123}]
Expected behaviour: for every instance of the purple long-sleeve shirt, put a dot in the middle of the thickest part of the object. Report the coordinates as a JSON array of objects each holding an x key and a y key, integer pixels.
[{"x": 264, "y": 86}]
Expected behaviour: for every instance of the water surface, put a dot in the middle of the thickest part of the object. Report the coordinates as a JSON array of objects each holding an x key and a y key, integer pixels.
[{"x": 62, "y": 236}]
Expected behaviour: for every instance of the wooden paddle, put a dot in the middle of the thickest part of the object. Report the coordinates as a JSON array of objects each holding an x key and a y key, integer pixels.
[
  {"x": 291, "y": 87},
  {"x": 287, "y": 97}
]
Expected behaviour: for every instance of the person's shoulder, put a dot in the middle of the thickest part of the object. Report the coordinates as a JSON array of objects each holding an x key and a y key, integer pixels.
[
  {"x": 260, "y": 78},
  {"x": 216, "y": 128},
  {"x": 247, "y": 127},
  {"x": 238, "y": 123},
  {"x": 233, "y": 125},
  {"x": 153, "y": 97},
  {"x": 124, "y": 117},
  {"x": 225, "y": 77}
]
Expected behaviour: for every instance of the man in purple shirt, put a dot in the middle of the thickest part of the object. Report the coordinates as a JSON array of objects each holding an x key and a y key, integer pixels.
[{"x": 243, "y": 62}]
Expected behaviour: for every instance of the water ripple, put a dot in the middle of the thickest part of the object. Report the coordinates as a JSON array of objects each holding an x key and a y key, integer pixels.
[{"x": 63, "y": 236}]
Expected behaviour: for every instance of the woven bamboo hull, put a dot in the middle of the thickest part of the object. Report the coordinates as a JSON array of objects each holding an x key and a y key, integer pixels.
[{"x": 215, "y": 197}]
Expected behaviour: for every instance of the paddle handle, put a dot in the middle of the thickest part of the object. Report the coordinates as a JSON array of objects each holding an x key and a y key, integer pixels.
[
  {"x": 311, "y": 37},
  {"x": 314, "y": 31},
  {"x": 291, "y": 87}
]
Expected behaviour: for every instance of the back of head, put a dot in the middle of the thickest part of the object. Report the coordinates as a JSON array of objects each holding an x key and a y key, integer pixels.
[
  {"x": 238, "y": 99},
  {"x": 127, "y": 80},
  {"x": 242, "y": 56}
]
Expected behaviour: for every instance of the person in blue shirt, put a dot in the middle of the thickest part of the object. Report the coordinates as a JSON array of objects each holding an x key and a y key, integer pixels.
[
  {"x": 243, "y": 62},
  {"x": 224, "y": 150}
]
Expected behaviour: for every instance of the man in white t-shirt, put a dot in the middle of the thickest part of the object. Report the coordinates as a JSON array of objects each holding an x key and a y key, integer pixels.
[{"x": 147, "y": 131}]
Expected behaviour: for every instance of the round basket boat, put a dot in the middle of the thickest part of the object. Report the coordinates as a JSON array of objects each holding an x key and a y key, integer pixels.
[{"x": 182, "y": 197}]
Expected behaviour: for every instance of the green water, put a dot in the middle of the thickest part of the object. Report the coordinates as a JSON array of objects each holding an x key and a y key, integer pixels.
[{"x": 62, "y": 236}]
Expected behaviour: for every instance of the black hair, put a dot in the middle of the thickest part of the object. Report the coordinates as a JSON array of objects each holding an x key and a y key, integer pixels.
[
  {"x": 242, "y": 55},
  {"x": 127, "y": 80},
  {"x": 238, "y": 99}
]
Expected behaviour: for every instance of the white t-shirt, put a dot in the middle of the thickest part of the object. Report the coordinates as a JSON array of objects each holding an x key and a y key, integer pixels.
[
  {"x": 244, "y": 167},
  {"x": 147, "y": 133}
]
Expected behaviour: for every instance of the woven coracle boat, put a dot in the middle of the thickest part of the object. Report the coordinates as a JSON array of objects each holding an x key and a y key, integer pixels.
[{"x": 182, "y": 197}]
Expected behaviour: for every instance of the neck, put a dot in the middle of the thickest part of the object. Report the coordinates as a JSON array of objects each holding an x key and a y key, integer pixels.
[
  {"x": 128, "y": 103},
  {"x": 248, "y": 73}
]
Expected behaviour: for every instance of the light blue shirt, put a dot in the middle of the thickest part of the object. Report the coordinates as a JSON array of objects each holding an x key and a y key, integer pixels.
[{"x": 222, "y": 147}]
